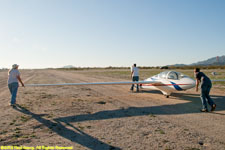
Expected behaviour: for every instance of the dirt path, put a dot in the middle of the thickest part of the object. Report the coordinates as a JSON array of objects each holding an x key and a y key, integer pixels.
[{"x": 106, "y": 117}]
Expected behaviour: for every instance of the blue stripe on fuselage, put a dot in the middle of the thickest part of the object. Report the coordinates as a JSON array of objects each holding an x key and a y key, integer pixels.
[
  {"x": 153, "y": 79},
  {"x": 176, "y": 86}
]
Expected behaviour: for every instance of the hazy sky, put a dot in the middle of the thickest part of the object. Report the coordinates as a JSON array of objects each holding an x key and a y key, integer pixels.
[{"x": 55, "y": 33}]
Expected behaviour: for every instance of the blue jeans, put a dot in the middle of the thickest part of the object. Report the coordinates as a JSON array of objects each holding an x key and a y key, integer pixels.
[
  {"x": 205, "y": 89},
  {"x": 13, "y": 88},
  {"x": 135, "y": 78}
]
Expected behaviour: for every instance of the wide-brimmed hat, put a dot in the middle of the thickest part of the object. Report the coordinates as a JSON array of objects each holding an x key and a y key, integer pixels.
[{"x": 14, "y": 66}]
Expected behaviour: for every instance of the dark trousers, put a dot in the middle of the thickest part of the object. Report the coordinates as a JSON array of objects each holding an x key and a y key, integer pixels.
[
  {"x": 205, "y": 89},
  {"x": 135, "y": 78}
]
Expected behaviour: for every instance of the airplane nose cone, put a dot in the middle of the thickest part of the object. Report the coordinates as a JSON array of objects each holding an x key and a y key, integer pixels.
[
  {"x": 192, "y": 82},
  {"x": 188, "y": 83}
]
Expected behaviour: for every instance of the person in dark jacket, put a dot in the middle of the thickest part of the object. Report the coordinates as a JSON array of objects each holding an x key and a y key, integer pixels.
[{"x": 205, "y": 90}]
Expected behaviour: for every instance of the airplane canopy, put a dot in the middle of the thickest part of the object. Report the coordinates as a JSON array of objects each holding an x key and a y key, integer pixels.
[{"x": 170, "y": 75}]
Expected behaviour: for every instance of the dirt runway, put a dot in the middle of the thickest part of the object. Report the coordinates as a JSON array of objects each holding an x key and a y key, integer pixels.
[{"x": 106, "y": 117}]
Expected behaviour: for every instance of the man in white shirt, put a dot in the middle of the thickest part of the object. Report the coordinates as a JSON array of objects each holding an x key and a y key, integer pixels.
[
  {"x": 13, "y": 78},
  {"x": 134, "y": 76}
]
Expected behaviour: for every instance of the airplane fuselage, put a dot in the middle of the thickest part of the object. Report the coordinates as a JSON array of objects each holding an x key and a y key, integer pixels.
[{"x": 170, "y": 81}]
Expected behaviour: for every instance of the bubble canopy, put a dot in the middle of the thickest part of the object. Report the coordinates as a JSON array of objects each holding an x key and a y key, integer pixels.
[{"x": 171, "y": 75}]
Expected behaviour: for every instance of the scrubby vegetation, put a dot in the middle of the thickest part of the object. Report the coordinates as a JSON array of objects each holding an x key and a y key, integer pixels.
[{"x": 147, "y": 67}]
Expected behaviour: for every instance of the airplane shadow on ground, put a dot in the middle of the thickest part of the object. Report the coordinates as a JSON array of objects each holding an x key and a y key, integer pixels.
[
  {"x": 192, "y": 105},
  {"x": 150, "y": 91},
  {"x": 75, "y": 135}
]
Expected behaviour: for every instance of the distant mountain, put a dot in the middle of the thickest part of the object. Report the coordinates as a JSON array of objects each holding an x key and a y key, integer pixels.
[
  {"x": 219, "y": 60},
  {"x": 178, "y": 65},
  {"x": 68, "y": 66}
]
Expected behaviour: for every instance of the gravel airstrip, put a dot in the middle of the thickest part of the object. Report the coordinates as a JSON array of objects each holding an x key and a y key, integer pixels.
[{"x": 106, "y": 117}]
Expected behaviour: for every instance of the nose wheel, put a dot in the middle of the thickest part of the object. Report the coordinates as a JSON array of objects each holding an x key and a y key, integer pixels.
[{"x": 167, "y": 96}]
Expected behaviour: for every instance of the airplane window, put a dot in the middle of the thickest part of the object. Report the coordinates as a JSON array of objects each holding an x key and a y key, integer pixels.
[
  {"x": 163, "y": 75},
  {"x": 172, "y": 75},
  {"x": 182, "y": 75}
]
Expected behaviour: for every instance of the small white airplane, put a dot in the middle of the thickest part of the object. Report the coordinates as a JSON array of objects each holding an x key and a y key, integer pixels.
[{"x": 167, "y": 82}]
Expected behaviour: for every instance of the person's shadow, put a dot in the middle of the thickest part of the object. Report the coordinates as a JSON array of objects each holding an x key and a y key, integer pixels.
[{"x": 75, "y": 135}]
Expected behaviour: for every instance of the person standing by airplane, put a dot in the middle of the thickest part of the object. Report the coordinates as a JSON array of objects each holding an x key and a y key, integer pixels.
[
  {"x": 205, "y": 89},
  {"x": 134, "y": 76},
  {"x": 13, "y": 78}
]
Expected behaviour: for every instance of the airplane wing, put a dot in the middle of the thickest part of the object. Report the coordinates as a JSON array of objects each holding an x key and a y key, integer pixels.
[
  {"x": 218, "y": 80},
  {"x": 94, "y": 83}
]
